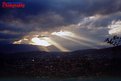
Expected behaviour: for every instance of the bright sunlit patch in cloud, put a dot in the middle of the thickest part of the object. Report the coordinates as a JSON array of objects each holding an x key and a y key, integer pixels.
[
  {"x": 115, "y": 28},
  {"x": 87, "y": 20},
  {"x": 62, "y": 33},
  {"x": 17, "y": 42},
  {"x": 41, "y": 42}
]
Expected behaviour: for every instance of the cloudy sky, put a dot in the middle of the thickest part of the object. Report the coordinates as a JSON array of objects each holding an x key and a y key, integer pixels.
[{"x": 80, "y": 23}]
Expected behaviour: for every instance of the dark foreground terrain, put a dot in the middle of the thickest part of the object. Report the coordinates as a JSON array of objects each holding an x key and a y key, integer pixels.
[{"x": 87, "y": 63}]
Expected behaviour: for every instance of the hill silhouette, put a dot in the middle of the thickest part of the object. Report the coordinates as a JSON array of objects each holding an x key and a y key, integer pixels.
[
  {"x": 15, "y": 48},
  {"x": 34, "y": 63}
]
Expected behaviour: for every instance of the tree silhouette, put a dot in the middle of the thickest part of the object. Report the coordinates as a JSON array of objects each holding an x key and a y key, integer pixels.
[{"x": 115, "y": 40}]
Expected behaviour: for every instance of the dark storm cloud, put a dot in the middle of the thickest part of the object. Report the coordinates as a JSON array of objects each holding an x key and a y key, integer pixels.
[
  {"x": 69, "y": 9},
  {"x": 9, "y": 36},
  {"x": 101, "y": 21},
  {"x": 4, "y": 27},
  {"x": 5, "y": 41},
  {"x": 49, "y": 15},
  {"x": 9, "y": 32}
]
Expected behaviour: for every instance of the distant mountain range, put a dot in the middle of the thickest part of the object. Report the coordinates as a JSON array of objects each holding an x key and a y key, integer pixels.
[
  {"x": 13, "y": 48},
  {"x": 35, "y": 50}
]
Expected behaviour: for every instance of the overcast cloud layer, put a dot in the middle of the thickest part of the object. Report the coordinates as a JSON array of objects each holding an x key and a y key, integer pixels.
[{"x": 54, "y": 15}]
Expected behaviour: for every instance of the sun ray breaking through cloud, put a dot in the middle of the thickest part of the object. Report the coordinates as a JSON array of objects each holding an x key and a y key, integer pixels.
[
  {"x": 72, "y": 35},
  {"x": 44, "y": 48},
  {"x": 84, "y": 39},
  {"x": 79, "y": 42},
  {"x": 57, "y": 45},
  {"x": 77, "y": 39}
]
